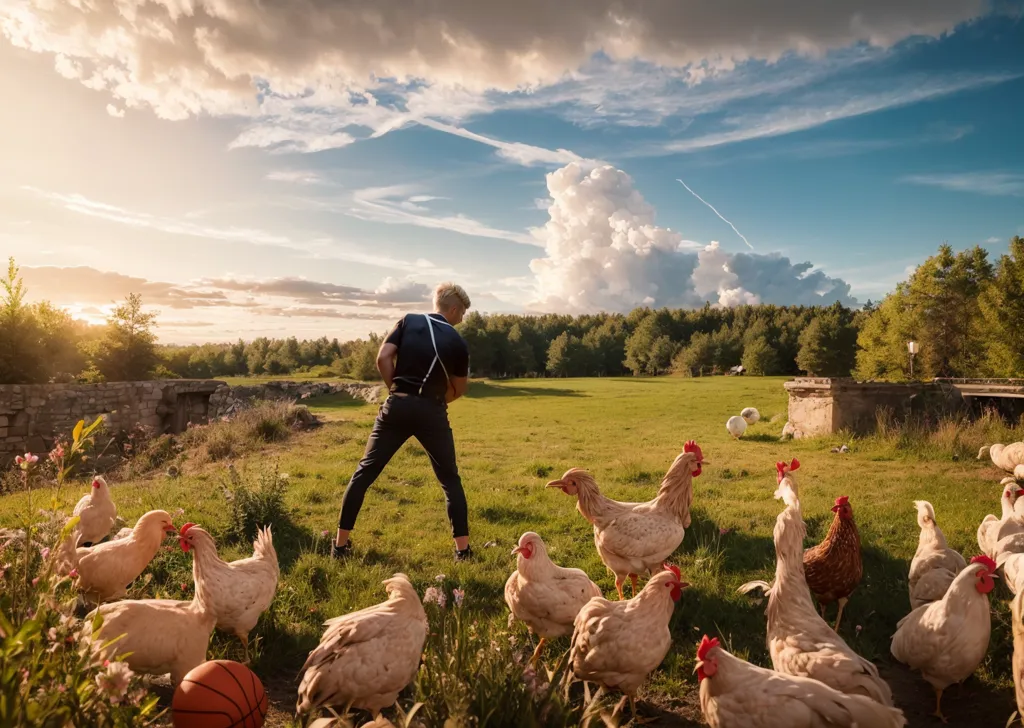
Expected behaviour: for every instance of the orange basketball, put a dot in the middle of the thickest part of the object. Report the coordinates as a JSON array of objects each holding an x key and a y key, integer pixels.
[{"x": 220, "y": 694}]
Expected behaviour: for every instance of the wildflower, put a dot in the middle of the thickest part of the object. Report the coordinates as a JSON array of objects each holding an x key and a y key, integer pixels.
[
  {"x": 439, "y": 578},
  {"x": 724, "y": 531},
  {"x": 458, "y": 595},
  {"x": 184, "y": 586},
  {"x": 859, "y": 628},
  {"x": 44, "y": 553},
  {"x": 56, "y": 454},
  {"x": 73, "y": 573},
  {"x": 35, "y": 581},
  {"x": 62, "y": 689},
  {"x": 26, "y": 461},
  {"x": 52, "y": 634},
  {"x": 433, "y": 595},
  {"x": 115, "y": 681},
  {"x": 325, "y": 533}
]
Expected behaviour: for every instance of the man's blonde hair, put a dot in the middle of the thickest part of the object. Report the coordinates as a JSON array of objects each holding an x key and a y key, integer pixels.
[{"x": 447, "y": 294}]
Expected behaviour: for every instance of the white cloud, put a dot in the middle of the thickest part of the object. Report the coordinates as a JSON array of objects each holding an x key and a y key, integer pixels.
[
  {"x": 524, "y": 154},
  {"x": 115, "y": 112},
  {"x": 997, "y": 184},
  {"x": 297, "y": 177},
  {"x": 604, "y": 251}
]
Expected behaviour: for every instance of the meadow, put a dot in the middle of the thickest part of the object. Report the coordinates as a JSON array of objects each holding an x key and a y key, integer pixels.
[{"x": 514, "y": 436}]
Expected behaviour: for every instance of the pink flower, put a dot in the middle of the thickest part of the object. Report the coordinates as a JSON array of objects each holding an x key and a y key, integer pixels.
[
  {"x": 35, "y": 581},
  {"x": 433, "y": 595},
  {"x": 724, "y": 531},
  {"x": 458, "y": 595},
  {"x": 73, "y": 573},
  {"x": 26, "y": 461},
  {"x": 45, "y": 553},
  {"x": 115, "y": 681}
]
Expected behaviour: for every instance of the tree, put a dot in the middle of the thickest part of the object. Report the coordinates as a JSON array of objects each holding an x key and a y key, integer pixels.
[
  {"x": 20, "y": 355},
  {"x": 520, "y": 353},
  {"x": 828, "y": 346},
  {"x": 127, "y": 351},
  {"x": 567, "y": 356},
  {"x": 759, "y": 358},
  {"x": 696, "y": 358},
  {"x": 1002, "y": 311}
]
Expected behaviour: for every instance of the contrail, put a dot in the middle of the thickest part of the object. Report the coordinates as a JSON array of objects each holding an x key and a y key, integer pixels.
[{"x": 716, "y": 212}]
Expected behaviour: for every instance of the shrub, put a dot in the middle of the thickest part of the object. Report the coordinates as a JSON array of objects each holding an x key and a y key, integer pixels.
[
  {"x": 263, "y": 422},
  {"x": 256, "y": 501}
]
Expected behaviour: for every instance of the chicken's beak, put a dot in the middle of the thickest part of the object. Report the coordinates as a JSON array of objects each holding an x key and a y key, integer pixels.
[
  {"x": 171, "y": 528},
  {"x": 699, "y": 665},
  {"x": 555, "y": 484},
  {"x": 516, "y": 550}
]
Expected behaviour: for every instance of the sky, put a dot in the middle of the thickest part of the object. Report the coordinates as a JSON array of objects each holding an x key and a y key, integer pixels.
[{"x": 315, "y": 167}]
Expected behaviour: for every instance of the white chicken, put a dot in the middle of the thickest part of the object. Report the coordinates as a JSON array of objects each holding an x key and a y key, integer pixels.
[
  {"x": 106, "y": 570},
  {"x": 935, "y": 565},
  {"x": 736, "y": 694},
  {"x": 542, "y": 594},
  {"x": 155, "y": 636},
  {"x": 736, "y": 426},
  {"x": 237, "y": 592},
  {"x": 750, "y": 415},
  {"x": 618, "y": 644},
  {"x": 946, "y": 640},
  {"x": 1006, "y": 457},
  {"x": 637, "y": 538},
  {"x": 96, "y": 512},
  {"x": 801, "y": 643},
  {"x": 992, "y": 530},
  {"x": 366, "y": 658}
]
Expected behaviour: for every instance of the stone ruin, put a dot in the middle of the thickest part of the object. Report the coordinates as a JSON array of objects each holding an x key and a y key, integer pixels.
[{"x": 32, "y": 416}]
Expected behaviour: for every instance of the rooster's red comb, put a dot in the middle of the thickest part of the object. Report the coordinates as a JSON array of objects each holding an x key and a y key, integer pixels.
[
  {"x": 184, "y": 529},
  {"x": 984, "y": 560},
  {"x": 842, "y": 500},
  {"x": 706, "y": 645},
  {"x": 673, "y": 568},
  {"x": 692, "y": 446}
]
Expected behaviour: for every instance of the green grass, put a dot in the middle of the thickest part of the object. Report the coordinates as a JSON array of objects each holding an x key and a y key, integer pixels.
[{"x": 514, "y": 436}]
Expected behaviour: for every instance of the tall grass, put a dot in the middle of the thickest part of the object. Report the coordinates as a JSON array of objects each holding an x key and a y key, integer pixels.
[{"x": 959, "y": 437}]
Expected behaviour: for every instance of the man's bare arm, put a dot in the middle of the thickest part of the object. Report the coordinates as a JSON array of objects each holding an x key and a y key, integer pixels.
[
  {"x": 458, "y": 387},
  {"x": 386, "y": 363}
]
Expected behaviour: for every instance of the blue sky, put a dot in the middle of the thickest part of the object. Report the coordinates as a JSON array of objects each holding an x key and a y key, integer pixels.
[{"x": 319, "y": 182}]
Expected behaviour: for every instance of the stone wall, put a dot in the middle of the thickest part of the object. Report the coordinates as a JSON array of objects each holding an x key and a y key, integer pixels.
[
  {"x": 822, "y": 406},
  {"x": 226, "y": 400}
]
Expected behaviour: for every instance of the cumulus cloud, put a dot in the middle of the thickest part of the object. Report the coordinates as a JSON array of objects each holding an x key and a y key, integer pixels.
[
  {"x": 604, "y": 251},
  {"x": 320, "y": 74}
]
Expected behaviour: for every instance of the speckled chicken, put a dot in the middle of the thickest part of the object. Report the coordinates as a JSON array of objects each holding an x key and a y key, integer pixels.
[
  {"x": 935, "y": 565},
  {"x": 947, "y": 639},
  {"x": 96, "y": 512},
  {"x": 366, "y": 658},
  {"x": 636, "y": 538},
  {"x": 106, "y": 570},
  {"x": 833, "y": 567},
  {"x": 239, "y": 591},
  {"x": 545, "y": 596},
  {"x": 736, "y": 694},
  {"x": 800, "y": 642},
  {"x": 618, "y": 644},
  {"x": 157, "y": 636}
]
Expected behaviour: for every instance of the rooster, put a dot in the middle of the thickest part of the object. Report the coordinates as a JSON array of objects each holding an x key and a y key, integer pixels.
[
  {"x": 636, "y": 538},
  {"x": 801, "y": 643},
  {"x": 366, "y": 658},
  {"x": 155, "y": 636},
  {"x": 993, "y": 530},
  {"x": 617, "y": 644},
  {"x": 544, "y": 595},
  {"x": 96, "y": 512},
  {"x": 106, "y": 570},
  {"x": 833, "y": 567},
  {"x": 736, "y": 694},
  {"x": 237, "y": 592},
  {"x": 935, "y": 565},
  {"x": 947, "y": 639}
]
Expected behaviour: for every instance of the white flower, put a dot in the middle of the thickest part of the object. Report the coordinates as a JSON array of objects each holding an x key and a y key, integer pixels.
[
  {"x": 433, "y": 595},
  {"x": 115, "y": 680},
  {"x": 439, "y": 578}
]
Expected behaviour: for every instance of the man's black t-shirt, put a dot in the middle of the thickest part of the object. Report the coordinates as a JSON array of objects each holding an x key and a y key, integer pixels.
[{"x": 416, "y": 359}]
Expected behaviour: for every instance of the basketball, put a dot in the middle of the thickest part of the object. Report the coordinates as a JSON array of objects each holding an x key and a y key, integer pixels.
[{"x": 220, "y": 694}]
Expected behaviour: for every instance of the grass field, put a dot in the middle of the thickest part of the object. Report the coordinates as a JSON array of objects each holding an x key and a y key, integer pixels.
[{"x": 512, "y": 437}]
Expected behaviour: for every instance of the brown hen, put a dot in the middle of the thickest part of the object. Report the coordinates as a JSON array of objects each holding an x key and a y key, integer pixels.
[{"x": 833, "y": 568}]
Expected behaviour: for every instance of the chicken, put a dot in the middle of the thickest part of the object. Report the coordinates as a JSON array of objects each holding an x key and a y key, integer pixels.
[
  {"x": 162, "y": 635},
  {"x": 106, "y": 570},
  {"x": 237, "y": 592},
  {"x": 636, "y": 538},
  {"x": 544, "y": 595},
  {"x": 736, "y": 694},
  {"x": 366, "y": 658},
  {"x": 750, "y": 415},
  {"x": 934, "y": 565},
  {"x": 993, "y": 530},
  {"x": 1018, "y": 649},
  {"x": 833, "y": 567},
  {"x": 947, "y": 639},
  {"x": 96, "y": 512},
  {"x": 1005, "y": 457},
  {"x": 736, "y": 426},
  {"x": 617, "y": 644},
  {"x": 800, "y": 642},
  {"x": 1009, "y": 557}
]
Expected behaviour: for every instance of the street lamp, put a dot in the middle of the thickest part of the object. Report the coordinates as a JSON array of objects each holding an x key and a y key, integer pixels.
[{"x": 912, "y": 348}]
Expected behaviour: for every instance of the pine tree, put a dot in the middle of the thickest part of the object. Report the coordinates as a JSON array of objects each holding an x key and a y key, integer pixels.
[
  {"x": 1002, "y": 312},
  {"x": 127, "y": 351}
]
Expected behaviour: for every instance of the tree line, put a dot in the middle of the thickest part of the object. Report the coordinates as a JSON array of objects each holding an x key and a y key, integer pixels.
[{"x": 961, "y": 308}]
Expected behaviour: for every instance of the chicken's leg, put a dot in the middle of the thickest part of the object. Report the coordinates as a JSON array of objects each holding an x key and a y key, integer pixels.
[
  {"x": 636, "y": 718},
  {"x": 245, "y": 644},
  {"x": 536, "y": 652},
  {"x": 633, "y": 578},
  {"x": 842, "y": 603},
  {"x": 618, "y": 587},
  {"x": 938, "y": 706}
]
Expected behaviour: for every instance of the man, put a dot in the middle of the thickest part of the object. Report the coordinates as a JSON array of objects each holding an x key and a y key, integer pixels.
[{"x": 425, "y": 365}]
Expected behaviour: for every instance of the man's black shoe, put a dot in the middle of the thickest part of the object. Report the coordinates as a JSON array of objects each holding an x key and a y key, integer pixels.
[
  {"x": 465, "y": 554},
  {"x": 340, "y": 552}
]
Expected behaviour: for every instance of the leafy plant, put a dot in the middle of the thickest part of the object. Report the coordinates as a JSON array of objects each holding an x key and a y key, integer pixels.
[
  {"x": 64, "y": 457},
  {"x": 255, "y": 502}
]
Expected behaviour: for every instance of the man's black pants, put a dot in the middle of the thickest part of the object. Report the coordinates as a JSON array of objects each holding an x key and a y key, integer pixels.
[{"x": 399, "y": 418}]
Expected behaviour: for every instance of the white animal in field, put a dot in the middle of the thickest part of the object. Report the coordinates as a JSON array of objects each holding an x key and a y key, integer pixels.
[
  {"x": 750, "y": 415},
  {"x": 736, "y": 426}
]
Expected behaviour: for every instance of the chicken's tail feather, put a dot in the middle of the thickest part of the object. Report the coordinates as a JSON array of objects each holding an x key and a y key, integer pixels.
[
  {"x": 752, "y": 585},
  {"x": 264, "y": 544}
]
